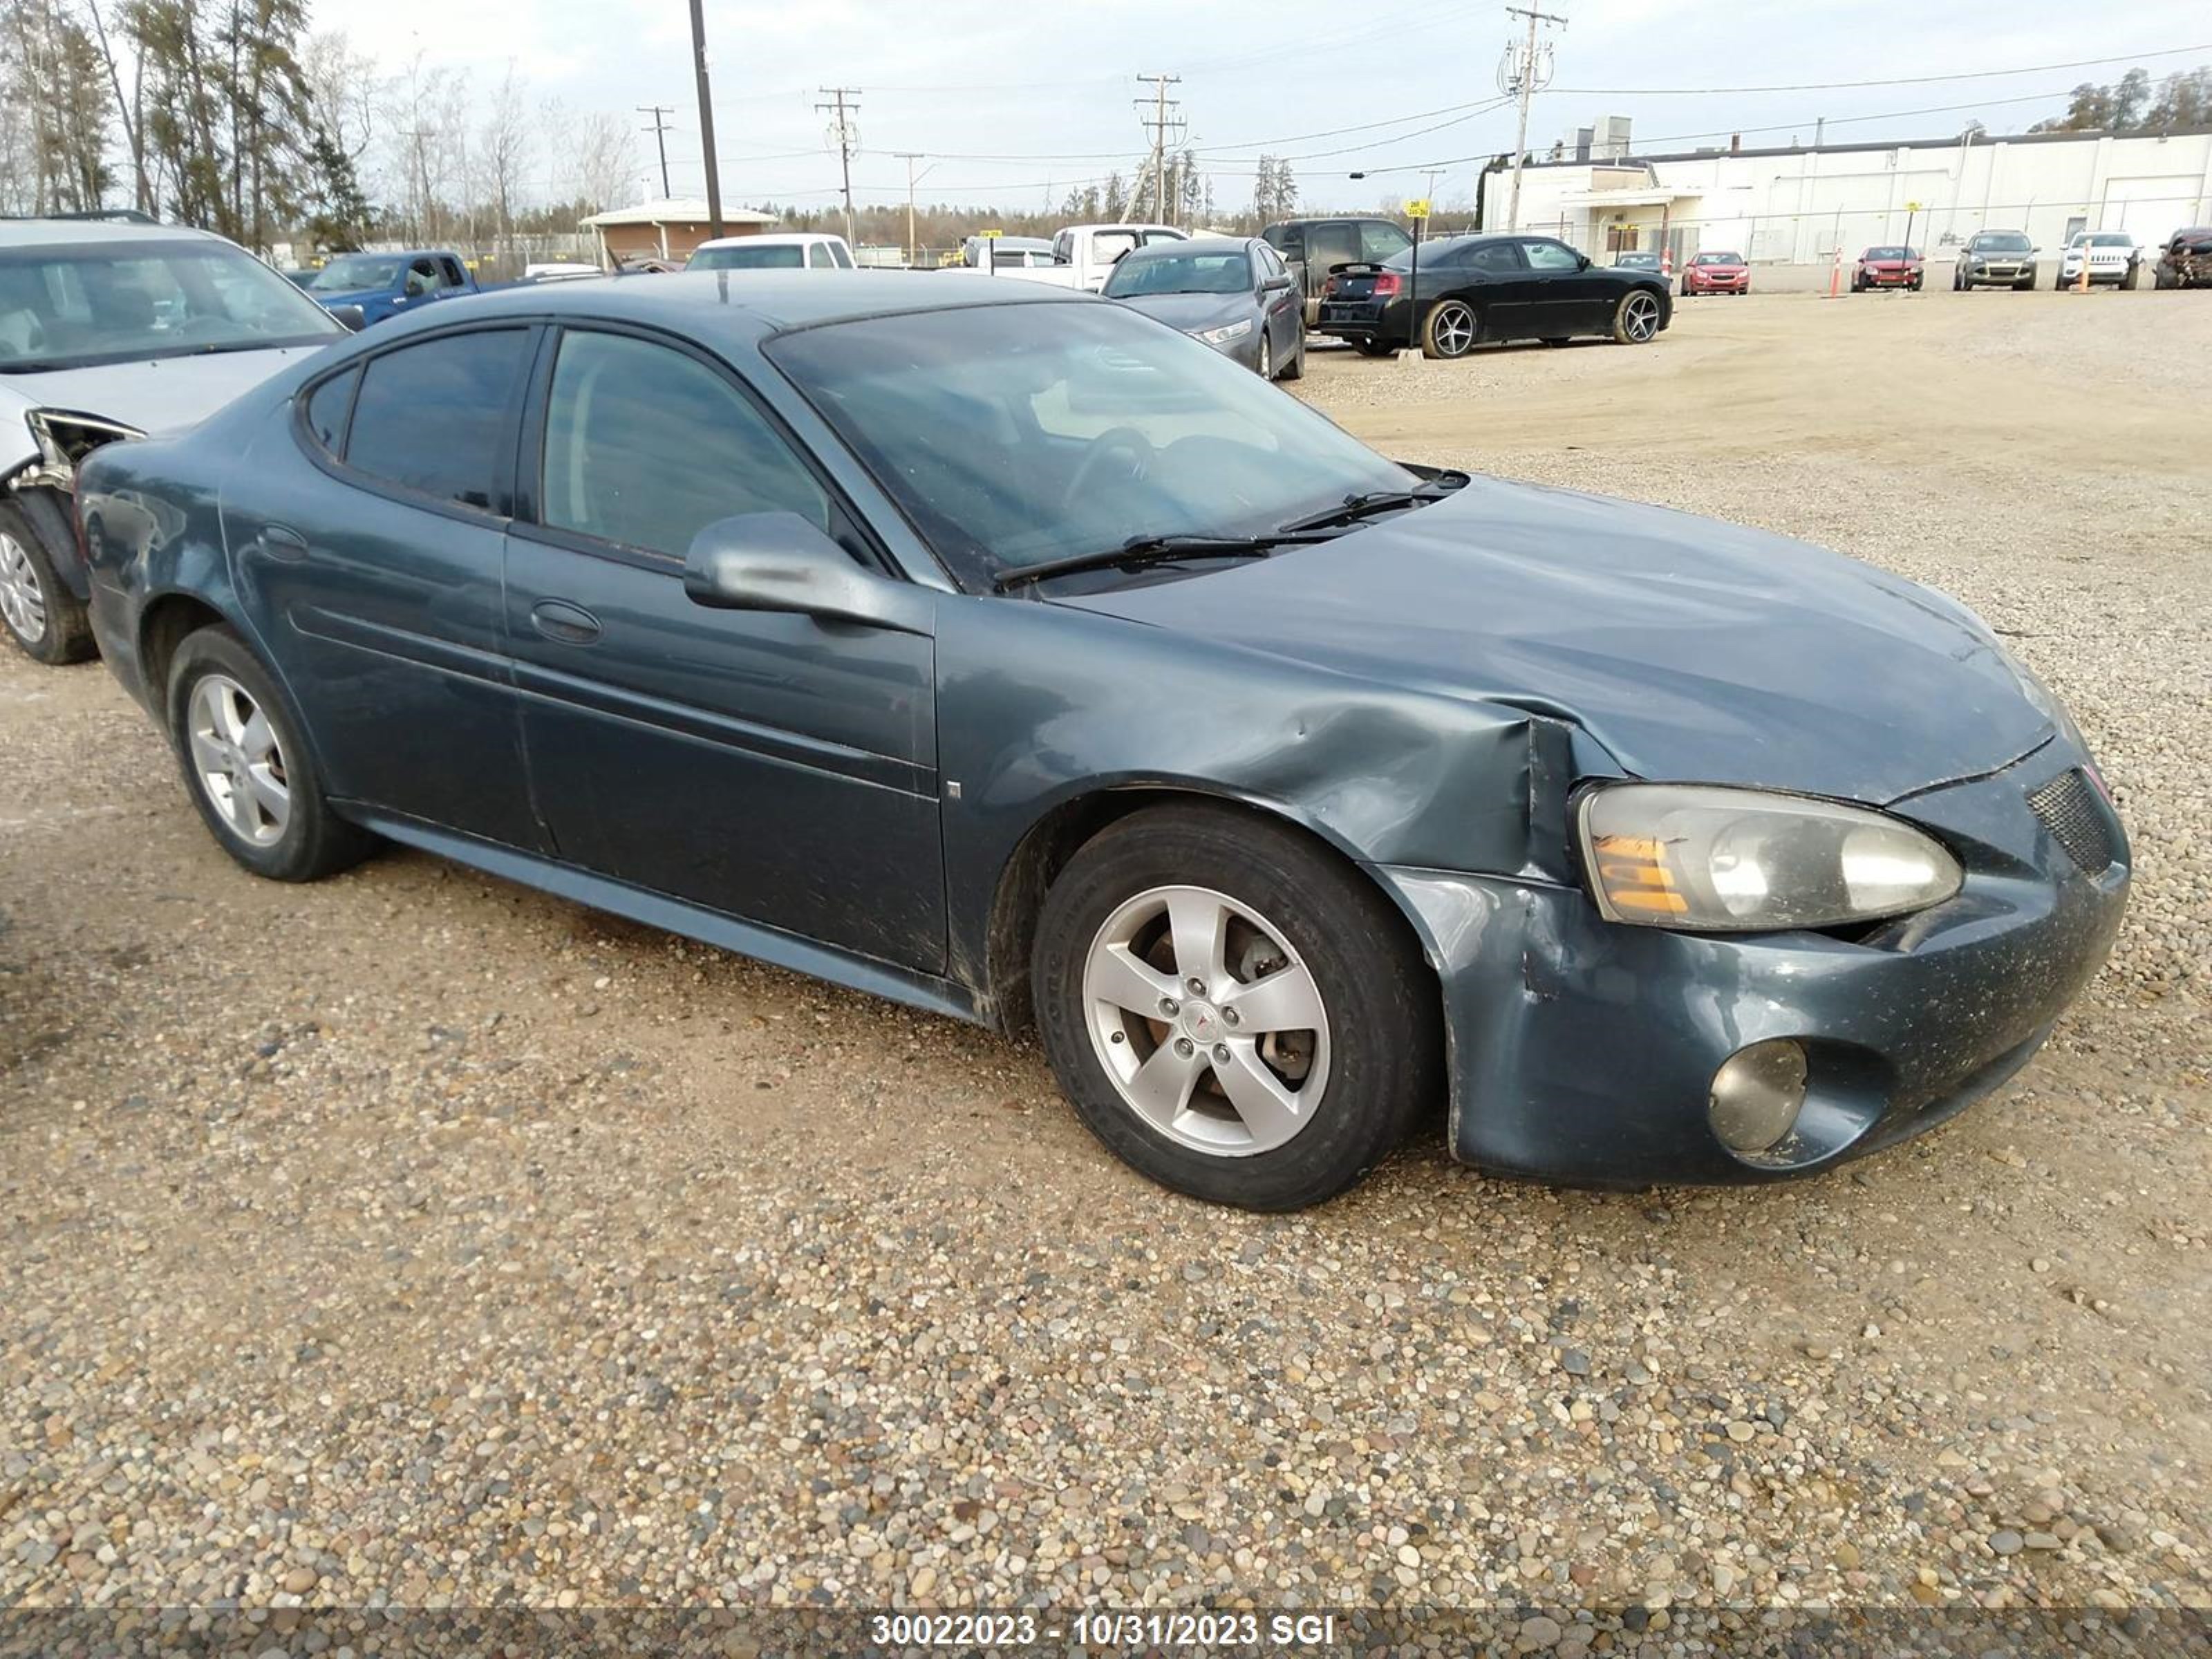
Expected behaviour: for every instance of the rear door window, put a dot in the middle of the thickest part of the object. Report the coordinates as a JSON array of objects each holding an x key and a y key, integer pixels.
[
  {"x": 436, "y": 417},
  {"x": 1332, "y": 244}
]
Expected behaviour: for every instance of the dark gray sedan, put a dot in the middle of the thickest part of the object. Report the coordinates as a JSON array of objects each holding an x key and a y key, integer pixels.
[
  {"x": 994, "y": 650},
  {"x": 1234, "y": 294}
]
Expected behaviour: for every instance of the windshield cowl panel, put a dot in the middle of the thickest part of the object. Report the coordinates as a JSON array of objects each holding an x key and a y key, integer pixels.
[{"x": 1014, "y": 435}]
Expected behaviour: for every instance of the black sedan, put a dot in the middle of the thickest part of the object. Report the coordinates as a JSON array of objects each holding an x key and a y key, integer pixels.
[
  {"x": 1234, "y": 294},
  {"x": 992, "y": 648},
  {"x": 1487, "y": 287}
]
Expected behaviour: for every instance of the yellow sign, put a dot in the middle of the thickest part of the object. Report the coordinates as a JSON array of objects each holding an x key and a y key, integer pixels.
[
  {"x": 1419, "y": 209},
  {"x": 1912, "y": 207},
  {"x": 992, "y": 235}
]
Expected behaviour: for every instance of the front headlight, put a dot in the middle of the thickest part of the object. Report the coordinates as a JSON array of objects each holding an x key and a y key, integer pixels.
[
  {"x": 1704, "y": 859},
  {"x": 1223, "y": 335}
]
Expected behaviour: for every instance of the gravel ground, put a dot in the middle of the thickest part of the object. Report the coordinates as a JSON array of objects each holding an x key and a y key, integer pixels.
[{"x": 416, "y": 1240}]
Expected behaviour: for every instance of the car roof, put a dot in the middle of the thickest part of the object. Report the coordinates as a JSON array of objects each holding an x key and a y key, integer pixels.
[
  {"x": 96, "y": 233},
  {"x": 772, "y": 239},
  {"x": 1193, "y": 245},
  {"x": 737, "y": 306}
]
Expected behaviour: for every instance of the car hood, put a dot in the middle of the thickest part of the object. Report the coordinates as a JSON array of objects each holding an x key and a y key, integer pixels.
[
  {"x": 352, "y": 296},
  {"x": 157, "y": 396},
  {"x": 1192, "y": 311},
  {"x": 1688, "y": 648}
]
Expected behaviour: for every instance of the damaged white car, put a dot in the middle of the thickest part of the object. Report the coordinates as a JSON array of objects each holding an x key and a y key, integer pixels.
[{"x": 115, "y": 328}]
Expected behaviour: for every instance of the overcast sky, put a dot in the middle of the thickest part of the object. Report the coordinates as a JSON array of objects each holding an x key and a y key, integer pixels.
[{"x": 1013, "y": 103}]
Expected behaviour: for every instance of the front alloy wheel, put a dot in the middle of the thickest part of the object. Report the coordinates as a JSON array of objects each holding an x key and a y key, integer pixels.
[
  {"x": 1208, "y": 1021},
  {"x": 1637, "y": 321},
  {"x": 22, "y": 607},
  {"x": 1232, "y": 1009}
]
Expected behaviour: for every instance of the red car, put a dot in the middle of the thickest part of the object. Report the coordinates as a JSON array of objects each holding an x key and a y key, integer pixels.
[
  {"x": 1716, "y": 273},
  {"x": 1888, "y": 267}
]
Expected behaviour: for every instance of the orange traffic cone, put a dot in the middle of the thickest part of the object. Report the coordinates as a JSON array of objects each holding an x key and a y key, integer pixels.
[{"x": 2081, "y": 282}]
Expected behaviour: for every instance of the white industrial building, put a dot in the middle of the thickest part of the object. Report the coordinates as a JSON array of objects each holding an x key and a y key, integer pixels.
[{"x": 1798, "y": 204}]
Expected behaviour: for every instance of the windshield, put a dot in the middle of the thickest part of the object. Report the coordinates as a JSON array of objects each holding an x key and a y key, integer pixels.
[
  {"x": 2001, "y": 242},
  {"x": 355, "y": 271},
  {"x": 1891, "y": 253},
  {"x": 70, "y": 307},
  {"x": 1011, "y": 434},
  {"x": 1638, "y": 261},
  {"x": 2109, "y": 239},
  {"x": 776, "y": 256},
  {"x": 1719, "y": 259},
  {"x": 1181, "y": 273}
]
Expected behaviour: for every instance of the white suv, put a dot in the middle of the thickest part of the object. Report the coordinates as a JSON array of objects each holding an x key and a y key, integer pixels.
[
  {"x": 777, "y": 251},
  {"x": 2113, "y": 256},
  {"x": 115, "y": 327}
]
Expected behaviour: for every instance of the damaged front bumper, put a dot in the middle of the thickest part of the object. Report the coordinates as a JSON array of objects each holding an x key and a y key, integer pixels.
[{"x": 1584, "y": 1052}]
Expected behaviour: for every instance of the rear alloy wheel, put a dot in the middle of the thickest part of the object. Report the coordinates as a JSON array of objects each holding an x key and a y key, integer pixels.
[
  {"x": 1636, "y": 320},
  {"x": 1451, "y": 331},
  {"x": 1232, "y": 1011},
  {"x": 40, "y": 613},
  {"x": 247, "y": 766}
]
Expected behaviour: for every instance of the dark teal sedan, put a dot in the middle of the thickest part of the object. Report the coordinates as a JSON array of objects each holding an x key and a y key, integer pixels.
[{"x": 1001, "y": 652}]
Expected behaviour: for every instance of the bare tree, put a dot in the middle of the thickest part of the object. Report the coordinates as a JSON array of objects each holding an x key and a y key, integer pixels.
[
  {"x": 605, "y": 159},
  {"x": 503, "y": 146}
]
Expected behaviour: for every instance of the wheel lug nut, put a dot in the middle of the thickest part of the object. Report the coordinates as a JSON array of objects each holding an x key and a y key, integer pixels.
[
  {"x": 1184, "y": 1047},
  {"x": 1169, "y": 1007},
  {"x": 1221, "y": 1053},
  {"x": 1197, "y": 986},
  {"x": 1231, "y": 1016}
]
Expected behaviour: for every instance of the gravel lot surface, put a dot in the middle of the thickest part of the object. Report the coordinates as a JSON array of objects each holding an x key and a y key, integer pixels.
[{"x": 416, "y": 1239}]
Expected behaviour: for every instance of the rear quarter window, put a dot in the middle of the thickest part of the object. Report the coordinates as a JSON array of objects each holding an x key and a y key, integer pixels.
[{"x": 327, "y": 407}]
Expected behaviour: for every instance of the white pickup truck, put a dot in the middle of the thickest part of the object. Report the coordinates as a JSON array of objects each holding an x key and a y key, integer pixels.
[{"x": 1083, "y": 256}]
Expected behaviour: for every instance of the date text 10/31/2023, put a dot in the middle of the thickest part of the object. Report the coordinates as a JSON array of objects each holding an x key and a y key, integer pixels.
[{"x": 1106, "y": 1628}]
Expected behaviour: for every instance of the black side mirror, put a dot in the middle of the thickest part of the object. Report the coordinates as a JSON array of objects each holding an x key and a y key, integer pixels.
[
  {"x": 780, "y": 561},
  {"x": 1582, "y": 262},
  {"x": 352, "y": 316}
]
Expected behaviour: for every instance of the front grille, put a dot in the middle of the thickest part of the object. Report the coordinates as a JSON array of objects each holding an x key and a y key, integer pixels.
[{"x": 2068, "y": 807}]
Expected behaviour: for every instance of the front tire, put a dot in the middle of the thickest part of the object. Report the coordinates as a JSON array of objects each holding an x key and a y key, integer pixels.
[
  {"x": 36, "y": 607},
  {"x": 247, "y": 767},
  {"x": 1635, "y": 319},
  {"x": 1450, "y": 331},
  {"x": 1295, "y": 368},
  {"x": 1232, "y": 1010}
]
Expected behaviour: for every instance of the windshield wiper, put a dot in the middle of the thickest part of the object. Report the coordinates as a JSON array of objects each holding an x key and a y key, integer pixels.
[
  {"x": 1141, "y": 550},
  {"x": 1365, "y": 504}
]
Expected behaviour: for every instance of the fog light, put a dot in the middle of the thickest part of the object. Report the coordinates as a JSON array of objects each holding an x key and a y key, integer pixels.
[{"x": 1757, "y": 1094}]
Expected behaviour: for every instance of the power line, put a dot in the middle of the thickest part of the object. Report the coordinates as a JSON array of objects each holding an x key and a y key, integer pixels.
[
  {"x": 1893, "y": 81},
  {"x": 1533, "y": 71}
]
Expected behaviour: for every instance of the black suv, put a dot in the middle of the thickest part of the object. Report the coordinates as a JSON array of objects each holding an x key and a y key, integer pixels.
[
  {"x": 1314, "y": 247},
  {"x": 2185, "y": 261}
]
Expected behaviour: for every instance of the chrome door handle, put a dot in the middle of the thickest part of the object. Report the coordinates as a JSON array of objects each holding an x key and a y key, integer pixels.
[{"x": 282, "y": 541}]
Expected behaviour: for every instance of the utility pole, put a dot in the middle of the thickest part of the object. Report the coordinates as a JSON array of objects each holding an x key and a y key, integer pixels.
[
  {"x": 910, "y": 156},
  {"x": 707, "y": 120},
  {"x": 845, "y": 138},
  {"x": 1161, "y": 104},
  {"x": 1523, "y": 80},
  {"x": 659, "y": 131}
]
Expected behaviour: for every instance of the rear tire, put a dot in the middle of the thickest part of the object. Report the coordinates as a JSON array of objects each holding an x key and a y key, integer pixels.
[
  {"x": 1558, "y": 340},
  {"x": 247, "y": 766},
  {"x": 1451, "y": 330},
  {"x": 1375, "y": 347},
  {"x": 1217, "y": 1110},
  {"x": 36, "y": 607}
]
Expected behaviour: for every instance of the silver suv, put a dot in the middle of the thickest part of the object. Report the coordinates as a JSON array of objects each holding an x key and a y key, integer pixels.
[
  {"x": 115, "y": 327},
  {"x": 1996, "y": 258}
]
